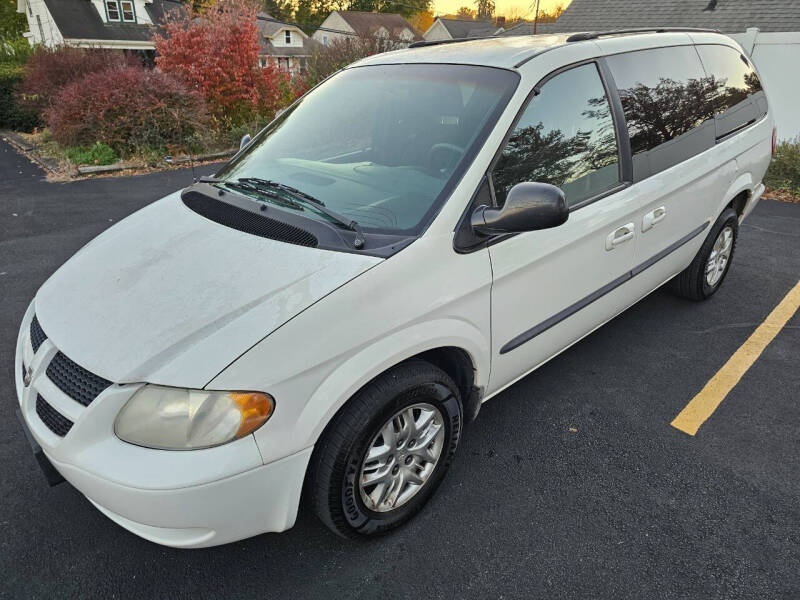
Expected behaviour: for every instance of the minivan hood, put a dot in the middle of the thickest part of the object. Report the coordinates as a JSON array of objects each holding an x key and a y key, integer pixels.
[{"x": 167, "y": 296}]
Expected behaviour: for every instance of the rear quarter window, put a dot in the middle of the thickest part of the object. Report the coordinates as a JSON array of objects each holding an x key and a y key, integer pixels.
[
  {"x": 735, "y": 93},
  {"x": 664, "y": 98}
]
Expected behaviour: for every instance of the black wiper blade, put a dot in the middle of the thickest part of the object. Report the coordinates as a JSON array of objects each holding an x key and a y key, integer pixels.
[
  {"x": 280, "y": 186},
  {"x": 351, "y": 224},
  {"x": 261, "y": 190}
]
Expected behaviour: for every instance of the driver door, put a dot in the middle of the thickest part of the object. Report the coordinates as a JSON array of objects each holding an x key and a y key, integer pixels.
[{"x": 551, "y": 287}]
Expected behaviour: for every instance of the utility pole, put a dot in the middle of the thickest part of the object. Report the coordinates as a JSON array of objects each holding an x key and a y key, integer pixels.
[{"x": 536, "y": 17}]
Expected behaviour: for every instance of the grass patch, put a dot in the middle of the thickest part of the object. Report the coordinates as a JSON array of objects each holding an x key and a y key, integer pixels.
[{"x": 98, "y": 154}]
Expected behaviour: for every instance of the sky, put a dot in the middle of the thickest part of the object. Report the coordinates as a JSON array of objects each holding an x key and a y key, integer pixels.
[{"x": 518, "y": 7}]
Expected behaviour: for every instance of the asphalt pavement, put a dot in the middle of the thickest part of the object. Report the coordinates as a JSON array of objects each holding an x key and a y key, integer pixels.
[{"x": 571, "y": 484}]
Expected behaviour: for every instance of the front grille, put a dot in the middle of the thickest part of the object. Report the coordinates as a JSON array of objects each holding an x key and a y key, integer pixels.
[
  {"x": 76, "y": 382},
  {"x": 249, "y": 222},
  {"x": 37, "y": 334},
  {"x": 55, "y": 421}
]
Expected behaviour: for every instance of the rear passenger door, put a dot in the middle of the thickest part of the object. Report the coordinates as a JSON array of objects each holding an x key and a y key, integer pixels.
[
  {"x": 553, "y": 286},
  {"x": 679, "y": 179}
]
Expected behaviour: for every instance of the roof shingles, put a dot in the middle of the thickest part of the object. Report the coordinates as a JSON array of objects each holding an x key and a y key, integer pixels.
[
  {"x": 729, "y": 16},
  {"x": 368, "y": 23},
  {"x": 79, "y": 20}
]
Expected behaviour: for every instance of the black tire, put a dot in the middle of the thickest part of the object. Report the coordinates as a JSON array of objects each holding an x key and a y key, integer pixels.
[
  {"x": 691, "y": 283},
  {"x": 332, "y": 489}
]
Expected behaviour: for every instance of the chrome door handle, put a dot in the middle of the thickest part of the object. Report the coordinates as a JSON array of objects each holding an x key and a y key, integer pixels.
[
  {"x": 653, "y": 217},
  {"x": 620, "y": 236}
]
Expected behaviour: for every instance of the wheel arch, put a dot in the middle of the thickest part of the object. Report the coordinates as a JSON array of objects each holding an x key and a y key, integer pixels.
[
  {"x": 463, "y": 356},
  {"x": 737, "y": 196}
]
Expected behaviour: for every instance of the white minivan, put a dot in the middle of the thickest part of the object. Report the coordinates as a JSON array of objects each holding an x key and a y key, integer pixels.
[{"x": 323, "y": 316}]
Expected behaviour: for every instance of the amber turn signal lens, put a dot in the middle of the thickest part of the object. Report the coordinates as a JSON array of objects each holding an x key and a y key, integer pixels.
[{"x": 255, "y": 408}]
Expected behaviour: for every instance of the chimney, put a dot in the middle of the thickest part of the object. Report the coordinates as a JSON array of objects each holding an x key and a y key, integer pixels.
[{"x": 500, "y": 22}]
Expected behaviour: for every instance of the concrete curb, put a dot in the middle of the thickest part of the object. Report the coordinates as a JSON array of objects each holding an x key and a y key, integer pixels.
[
  {"x": 30, "y": 152},
  {"x": 94, "y": 169},
  {"x": 56, "y": 168}
]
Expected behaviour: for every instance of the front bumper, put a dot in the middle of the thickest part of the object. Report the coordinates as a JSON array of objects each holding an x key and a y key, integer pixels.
[
  {"x": 187, "y": 499},
  {"x": 260, "y": 500}
]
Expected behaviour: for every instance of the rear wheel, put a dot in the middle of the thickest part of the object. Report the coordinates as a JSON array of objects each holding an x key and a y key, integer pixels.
[
  {"x": 386, "y": 451},
  {"x": 705, "y": 275}
]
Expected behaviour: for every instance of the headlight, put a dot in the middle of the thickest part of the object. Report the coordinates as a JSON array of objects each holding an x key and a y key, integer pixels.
[{"x": 179, "y": 419}]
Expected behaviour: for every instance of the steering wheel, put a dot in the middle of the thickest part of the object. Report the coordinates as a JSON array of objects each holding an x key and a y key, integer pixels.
[{"x": 444, "y": 156}]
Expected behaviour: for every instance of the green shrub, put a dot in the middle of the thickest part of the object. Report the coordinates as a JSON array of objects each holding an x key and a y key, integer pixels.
[
  {"x": 14, "y": 51},
  {"x": 784, "y": 170},
  {"x": 12, "y": 115},
  {"x": 98, "y": 154}
]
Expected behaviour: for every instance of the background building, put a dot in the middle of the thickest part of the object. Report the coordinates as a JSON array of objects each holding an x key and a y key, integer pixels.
[
  {"x": 116, "y": 24},
  {"x": 341, "y": 24},
  {"x": 285, "y": 44}
]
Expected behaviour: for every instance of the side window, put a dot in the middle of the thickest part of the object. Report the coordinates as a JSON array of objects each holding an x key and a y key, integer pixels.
[
  {"x": 736, "y": 96},
  {"x": 664, "y": 97},
  {"x": 565, "y": 137}
]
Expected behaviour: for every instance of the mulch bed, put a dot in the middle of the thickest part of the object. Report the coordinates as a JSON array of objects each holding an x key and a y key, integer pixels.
[{"x": 781, "y": 196}]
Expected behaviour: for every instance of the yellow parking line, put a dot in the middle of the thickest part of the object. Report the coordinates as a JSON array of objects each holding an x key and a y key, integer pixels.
[{"x": 703, "y": 405}]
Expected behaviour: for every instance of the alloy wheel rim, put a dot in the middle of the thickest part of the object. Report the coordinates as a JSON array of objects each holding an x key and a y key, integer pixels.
[
  {"x": 401, "y": 457},
  {"x": 720, "y": 255}
]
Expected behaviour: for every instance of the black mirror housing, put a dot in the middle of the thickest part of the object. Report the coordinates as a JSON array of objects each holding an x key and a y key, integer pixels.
[{"x": 528, "y": 207}]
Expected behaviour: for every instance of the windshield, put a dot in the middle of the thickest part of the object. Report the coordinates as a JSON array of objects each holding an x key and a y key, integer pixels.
[{"x": 380, "y": 145}]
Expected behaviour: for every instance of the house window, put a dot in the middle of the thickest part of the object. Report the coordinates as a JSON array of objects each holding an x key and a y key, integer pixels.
[
  {"x": 324, "y": 40},
  {"x": 128, "y": 13},
  {"x": 41, "y": 29},
  {"x": 112, "y": 10},
  {"x": 288, "y": 36}
]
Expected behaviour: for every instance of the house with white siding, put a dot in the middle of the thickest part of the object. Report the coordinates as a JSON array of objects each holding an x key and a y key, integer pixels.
[
  {"x": 458, "y": 29},
  {"x": 343, "y": 24},
  {"x": 114, "y": 24},
  {"x": 284, "y": 44}
]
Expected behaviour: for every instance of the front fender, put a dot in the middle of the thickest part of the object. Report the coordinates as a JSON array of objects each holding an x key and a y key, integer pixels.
[{"x": 376, "y": 358}]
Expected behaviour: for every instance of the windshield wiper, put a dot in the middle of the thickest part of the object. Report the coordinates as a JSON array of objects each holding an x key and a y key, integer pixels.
[{"x": 267, "y": 185}]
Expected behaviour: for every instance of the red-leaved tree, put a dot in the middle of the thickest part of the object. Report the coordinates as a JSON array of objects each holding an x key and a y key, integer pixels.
[{"x": 216, "y": 53}]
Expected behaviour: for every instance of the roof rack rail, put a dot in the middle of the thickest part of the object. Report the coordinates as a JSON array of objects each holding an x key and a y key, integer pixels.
[
  {"x": 424, "y": 43},
  {"x": 593, "y": 35}
]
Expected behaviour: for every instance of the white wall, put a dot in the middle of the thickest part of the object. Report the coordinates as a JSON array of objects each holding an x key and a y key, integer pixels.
[
  {"x": 36, "y": 12},
  {"x": 437, "y": 32},
  {"x": 279, "y": 39},
  {"x": 334, "y": 21},
  {"x": 777, "y": 58}
]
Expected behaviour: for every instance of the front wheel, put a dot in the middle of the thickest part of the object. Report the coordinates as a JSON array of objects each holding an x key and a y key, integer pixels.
[
  {"x": 385, "y": 453},
  {"x": 704, "y": 276}
]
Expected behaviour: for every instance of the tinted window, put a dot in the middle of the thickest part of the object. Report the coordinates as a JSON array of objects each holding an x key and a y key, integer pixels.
[
  {"x": 565, "y": 137},
  {"x": 736, "y": 96},
  {"x": 664, "y": 95}
]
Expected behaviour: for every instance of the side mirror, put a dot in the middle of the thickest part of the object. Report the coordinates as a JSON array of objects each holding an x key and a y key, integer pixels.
[
  {"x": 528, "y": 206},
  {"x": 245, "y": 141}
]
